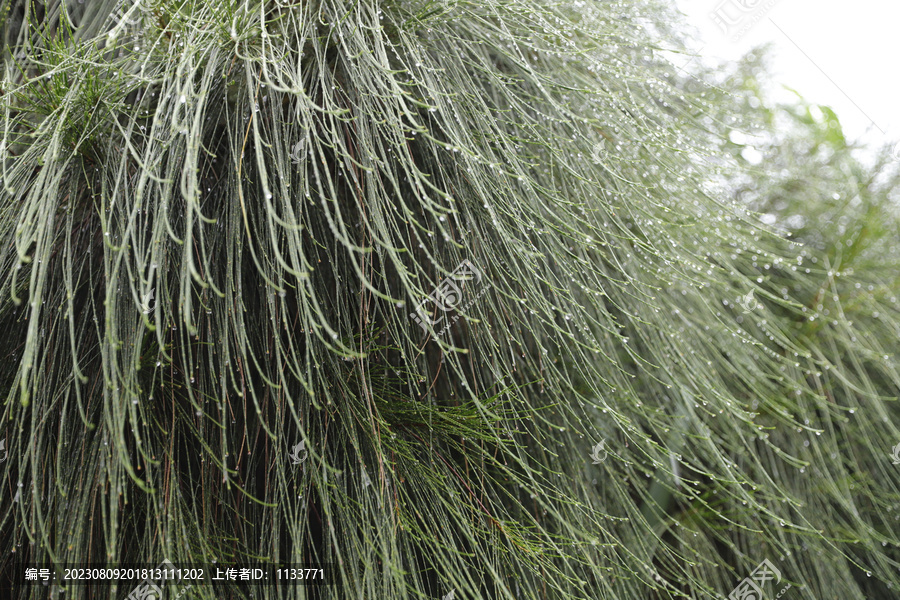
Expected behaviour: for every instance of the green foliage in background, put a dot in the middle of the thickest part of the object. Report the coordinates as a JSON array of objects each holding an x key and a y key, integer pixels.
[{"x": 218, "y": 219}]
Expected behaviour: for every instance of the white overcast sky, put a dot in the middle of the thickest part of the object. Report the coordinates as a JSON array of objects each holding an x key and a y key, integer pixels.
[{"x": 843, "y": 54}]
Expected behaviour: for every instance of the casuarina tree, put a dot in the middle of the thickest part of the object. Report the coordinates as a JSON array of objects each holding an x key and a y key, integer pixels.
[{"x": 448, "y": 299}]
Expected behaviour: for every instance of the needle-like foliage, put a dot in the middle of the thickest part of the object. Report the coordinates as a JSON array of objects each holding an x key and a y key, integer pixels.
[{"x": 219, "y": 220}]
